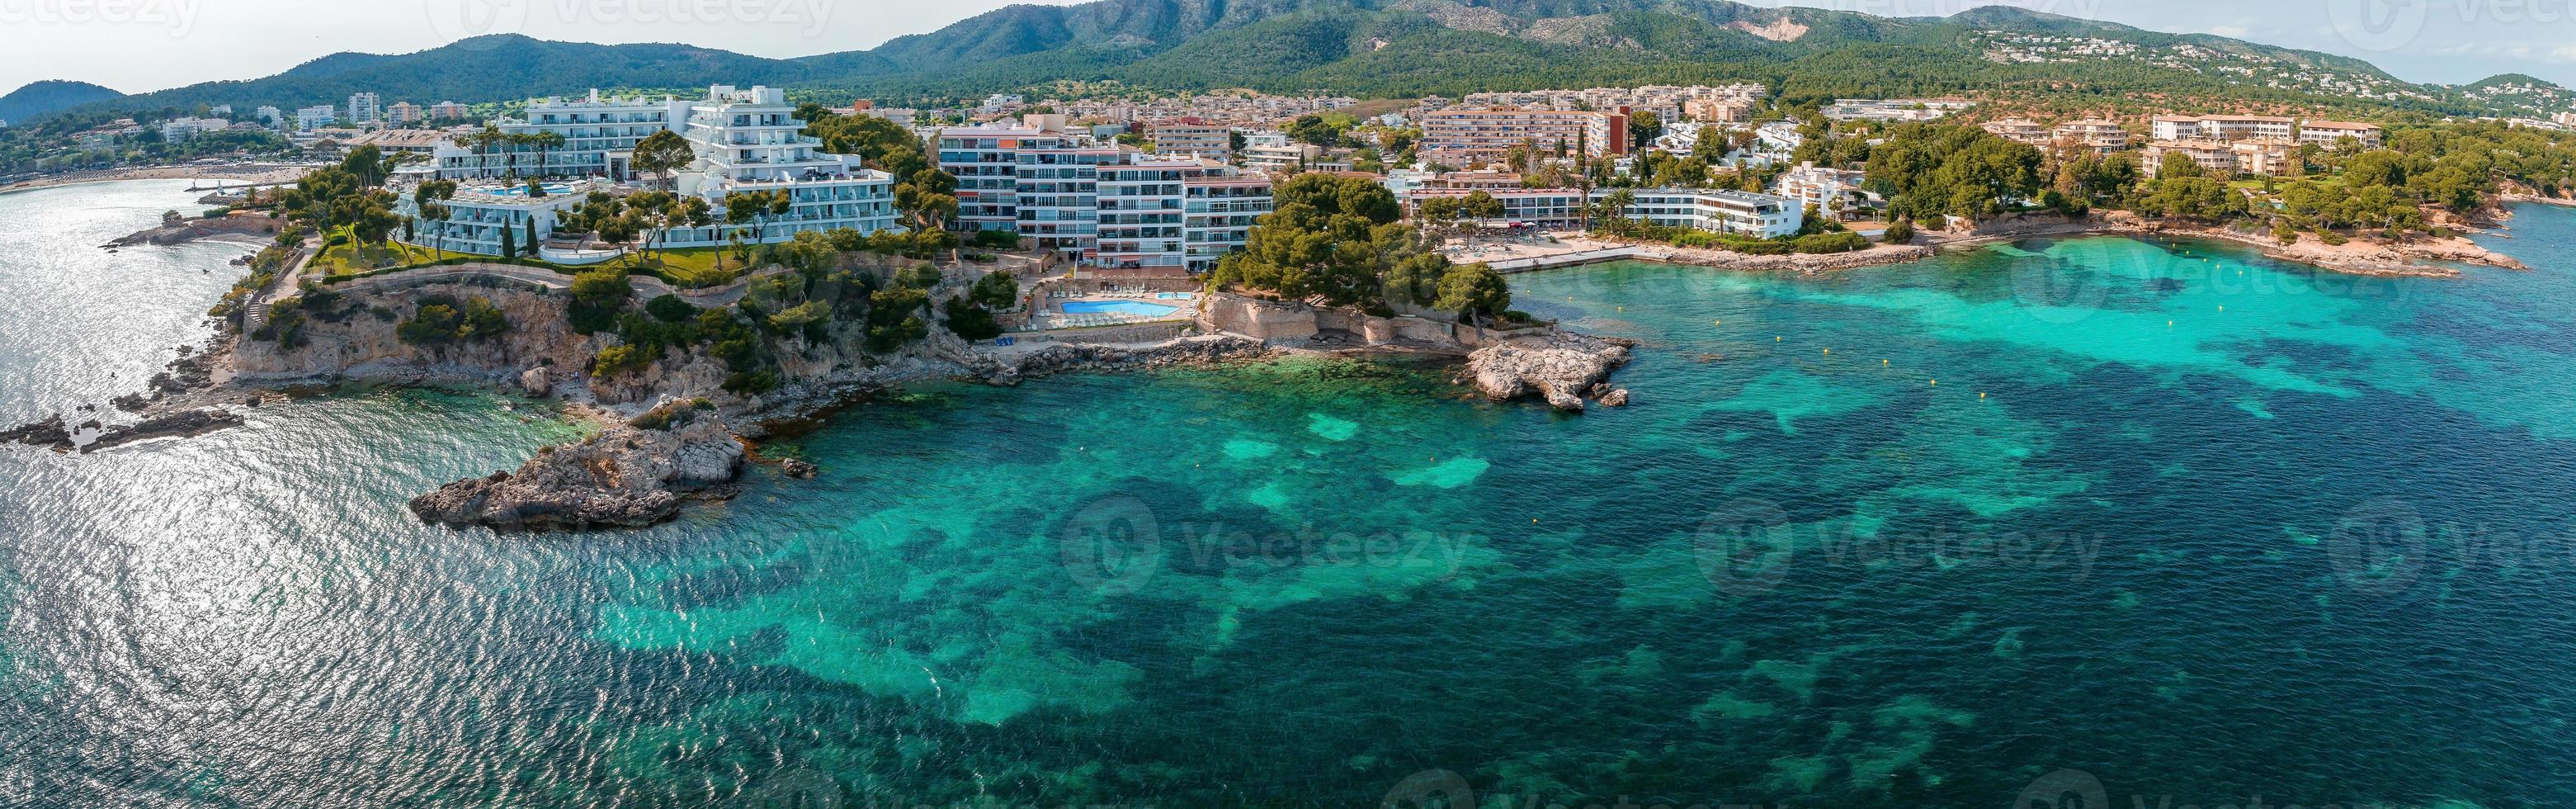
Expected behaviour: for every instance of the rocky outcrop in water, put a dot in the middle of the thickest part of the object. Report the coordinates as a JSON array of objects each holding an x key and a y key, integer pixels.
[
  {"x": 54, "y": 433},
  {"x": 1559, "y": 368},
  {"x": 632, "y": 475}
]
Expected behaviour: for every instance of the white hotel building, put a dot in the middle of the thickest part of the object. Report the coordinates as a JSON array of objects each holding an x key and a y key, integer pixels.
[
  {"x": 745, "y": 139},
  {"x": 599, "y": 136},
  {"x": 1743, "y": 213}
]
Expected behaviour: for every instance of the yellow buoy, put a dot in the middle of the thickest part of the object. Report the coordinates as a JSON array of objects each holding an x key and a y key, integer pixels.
[
  {"x": 1829, "y": 351},
  {"x": 1882, "y": 363},
  {"x": 1936, "y": 382},
  {"x": 2222, "y": 307},
  {"x": 1775, "y": 338},
  {"x": 2168, "y": 324},
  {"x": 1981, "y": 395}
]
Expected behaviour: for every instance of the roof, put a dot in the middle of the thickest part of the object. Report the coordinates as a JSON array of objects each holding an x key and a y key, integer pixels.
[{"x": 2336, "y": 125}]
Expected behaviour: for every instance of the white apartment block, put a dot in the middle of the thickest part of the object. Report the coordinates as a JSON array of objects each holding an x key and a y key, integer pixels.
[
  {"x": 599, "y": 136},
  {"x": 986, "y": 161},
  {"x": 750, "y": 140},
  {"x": 177, "y": 130},
  {"x": 1743, "y": 213},
  {"x": 1830, "y": 190},
  {"x": 2327, "y": 133},
  {"x": 2102, "y": 136},
  {"x": 1893, "y": 109},
  {"x": 308, "y": 119},
  {"x": 1543, "y": 207},
  {"x": 2214, "y": 157},
  {"x": 2019, "y": 130},
  {"x": 363, "y": 109},
  {"x": 1219, "y": 212},
  {"x": 1281, "y": 158}
]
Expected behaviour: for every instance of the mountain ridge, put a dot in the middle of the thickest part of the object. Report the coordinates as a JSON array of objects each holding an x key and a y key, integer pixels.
[{"x": 1373, "y": 48}]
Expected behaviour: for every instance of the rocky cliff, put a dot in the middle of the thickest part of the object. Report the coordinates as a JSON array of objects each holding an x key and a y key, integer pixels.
[{"x": 627, "y": 476}]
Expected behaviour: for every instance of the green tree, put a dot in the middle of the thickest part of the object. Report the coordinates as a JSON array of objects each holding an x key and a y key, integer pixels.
[{"x": 662, "y": 153}]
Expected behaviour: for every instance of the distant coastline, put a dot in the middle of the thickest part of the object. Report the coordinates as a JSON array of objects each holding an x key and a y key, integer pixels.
[{"x": 244, "y": 173}]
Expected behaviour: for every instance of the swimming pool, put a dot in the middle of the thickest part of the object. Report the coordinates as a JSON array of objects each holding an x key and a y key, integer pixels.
[{"x": 1118, "y": 307}]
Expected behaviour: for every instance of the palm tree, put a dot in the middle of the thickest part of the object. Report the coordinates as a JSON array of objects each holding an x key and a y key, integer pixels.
[{"x": 545, "y": 142}]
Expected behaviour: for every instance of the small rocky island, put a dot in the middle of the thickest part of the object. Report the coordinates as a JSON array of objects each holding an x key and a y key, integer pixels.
[{"x": 632, "y": 475}]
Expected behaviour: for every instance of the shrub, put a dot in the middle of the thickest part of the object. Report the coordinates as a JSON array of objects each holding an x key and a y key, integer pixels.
[
  {"x": 1899, "y": 232},
  {"x": 1843, "y": 242},
  {"x": 670, "y": 309},
  {"x": 970, "y": 321},
  {"x": 618, "y": 359}
]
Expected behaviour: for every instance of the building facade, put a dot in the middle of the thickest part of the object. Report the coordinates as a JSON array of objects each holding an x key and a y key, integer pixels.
[
  {"x": 1460, "y": 135},
  {"x": 597, "y": 138},
  {"x": 1742, "y": 213}
]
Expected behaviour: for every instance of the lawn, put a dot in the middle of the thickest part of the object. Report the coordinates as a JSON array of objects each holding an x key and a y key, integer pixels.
[
  {"x": 688, "y": 267},
  {"x": 350, "y": 257}
]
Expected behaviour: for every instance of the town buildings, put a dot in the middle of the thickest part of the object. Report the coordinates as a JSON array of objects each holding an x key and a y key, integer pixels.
[
  {"x": 1281, "y": 158},
  {"x": 2021, "y": 130},
  {"x": 2328, "y": 133},
  {"x": 2100, "y": 136},
  {"x": 402, "y": 112},
  {"x": 449, "y": 110},
  {"x": 1829, "y": 190},
  {"x": 1461, "y": 135}
]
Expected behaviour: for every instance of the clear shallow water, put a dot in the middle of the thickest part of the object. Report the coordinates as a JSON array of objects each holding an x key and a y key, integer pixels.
[{"x": 2311, "y": 547}]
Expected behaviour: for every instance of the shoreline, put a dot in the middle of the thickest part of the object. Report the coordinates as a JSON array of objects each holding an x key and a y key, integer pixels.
[
  {"x": 2359, "y": 256},
  {"x": 245, "y": 173}
]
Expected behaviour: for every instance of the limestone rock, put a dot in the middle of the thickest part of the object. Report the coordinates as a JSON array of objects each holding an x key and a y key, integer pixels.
[
  {"x": 627, "y": 476},
  {"x": 536, "y": 381},
  {"x": 1557, "y": 368},
  {"x": 1617, "y": 397},
  {"x": 797, "y": 469}
]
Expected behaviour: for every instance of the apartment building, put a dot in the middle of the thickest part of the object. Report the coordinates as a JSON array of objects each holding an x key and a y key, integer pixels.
[
  {"x": 1761, "y": 216},
  {"x": 2101, "y": 136},
  {"x": 1830, "y": 190},
  {"x": 1191, "y": 136},
  {"x": 402, "y": 112},
  {"x": 2328, "y": 133},
  {"x": 1720, "y": 110},
  {"x": 1465, "y": 134},
  {"x": 1218, "y": 214},
  {"x": 1543, "y": 207},
  {"x": 2020, "y": 130},
  {"x": 749, "y": 140},
  {"x": 1893, "y": 109},
  {"x": 2214, "y": 157},
  {"x": 308, "y": 119},
  {"x": 363, "y": 109},
  {"x": 2244, "y": 127},
  {"x": 449, "y": 109},
  {"x": 1281, "y": 158},
  {"x": 598, "y": 135},
  {"x": 986, "y": 161},
  {"x": 2264, "y": 155},
  {"x": 1097, "y": 203}
]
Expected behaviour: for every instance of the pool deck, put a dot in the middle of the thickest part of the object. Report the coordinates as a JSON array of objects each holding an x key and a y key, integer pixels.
[{"x": 1051, "y": 314}]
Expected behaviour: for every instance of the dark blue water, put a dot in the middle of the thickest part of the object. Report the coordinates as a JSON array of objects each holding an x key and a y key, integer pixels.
[{"x": 2090, "y": 517}]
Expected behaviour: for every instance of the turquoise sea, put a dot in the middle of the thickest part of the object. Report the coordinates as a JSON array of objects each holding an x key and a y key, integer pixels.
[{"x": 2083, "y": 522}]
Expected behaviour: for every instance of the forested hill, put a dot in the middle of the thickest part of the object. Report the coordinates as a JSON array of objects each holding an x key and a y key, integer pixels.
[
  {"x": 1384, "y": 48},
  {"x": 39, "y": 98}
]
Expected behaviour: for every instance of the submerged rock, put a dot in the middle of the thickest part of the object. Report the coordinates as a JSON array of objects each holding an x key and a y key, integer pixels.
[
  {"x": 797, "y": 469},
  {"x": 631, "y": 475},
  {"x": 181, "y": 424},
  {"x": 1559, "y": 368}
]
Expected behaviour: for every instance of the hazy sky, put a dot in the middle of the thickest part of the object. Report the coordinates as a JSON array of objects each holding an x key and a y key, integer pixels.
[{"x": 141, "y": 45}]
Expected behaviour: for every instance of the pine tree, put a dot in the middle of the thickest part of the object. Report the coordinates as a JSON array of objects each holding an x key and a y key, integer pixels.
[{"x": 509, "y": 242}]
